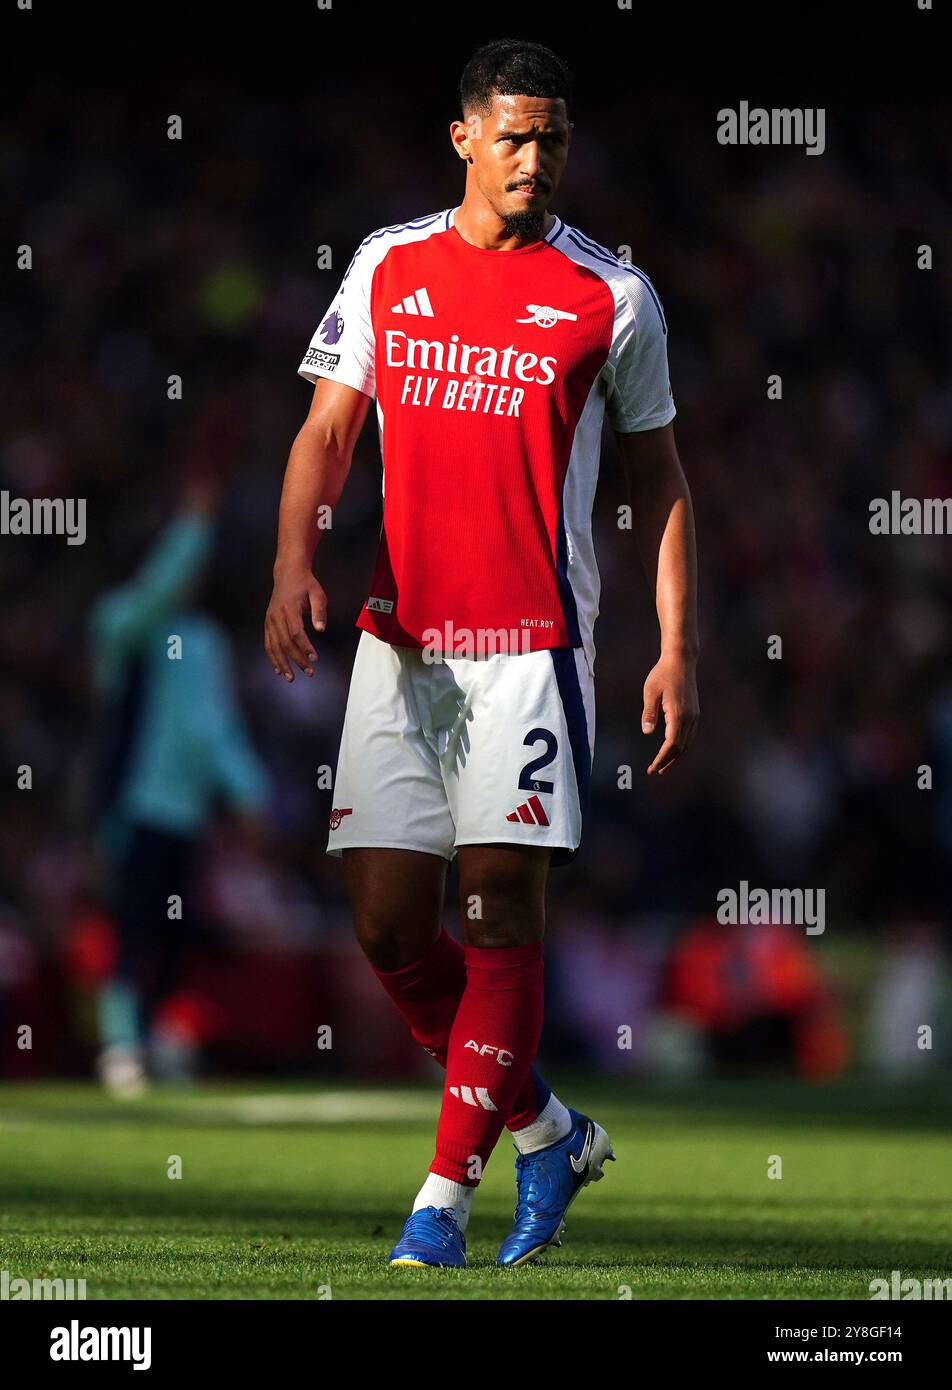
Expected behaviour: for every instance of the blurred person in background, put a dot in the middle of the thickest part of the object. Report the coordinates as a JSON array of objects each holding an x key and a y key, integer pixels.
[
  {"x": 173, "y": 746},
  {"x": 756, "y": 995}
]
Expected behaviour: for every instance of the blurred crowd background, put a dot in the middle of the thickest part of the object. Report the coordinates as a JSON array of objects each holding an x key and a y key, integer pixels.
[{"x": 199, "y": 258}]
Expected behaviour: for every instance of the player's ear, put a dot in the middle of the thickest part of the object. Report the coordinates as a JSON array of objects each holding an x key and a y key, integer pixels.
[{"x": 459, "y": 134}]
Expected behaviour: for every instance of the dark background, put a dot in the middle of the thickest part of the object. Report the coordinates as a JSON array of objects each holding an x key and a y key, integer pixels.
[{"x": 307, "y": 128}]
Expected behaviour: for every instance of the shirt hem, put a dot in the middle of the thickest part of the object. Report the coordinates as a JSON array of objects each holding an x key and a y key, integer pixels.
[
  {"x": 653, "y": 422},
  {"x": 540, "y": 641},
  {"x": 311, "y": 375}
]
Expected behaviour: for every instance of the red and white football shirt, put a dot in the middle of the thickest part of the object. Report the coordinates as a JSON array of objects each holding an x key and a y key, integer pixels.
[{"x": 493, "y": 372}]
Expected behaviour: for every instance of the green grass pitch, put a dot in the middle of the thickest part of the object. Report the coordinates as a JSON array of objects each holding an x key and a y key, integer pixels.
[{"x": 299, "y": 1191}]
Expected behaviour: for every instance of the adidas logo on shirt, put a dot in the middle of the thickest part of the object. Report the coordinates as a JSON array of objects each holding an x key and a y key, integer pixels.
[{"x": 416, "y": 303}]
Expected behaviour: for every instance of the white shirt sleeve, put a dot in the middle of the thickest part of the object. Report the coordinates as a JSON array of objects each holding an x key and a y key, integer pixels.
[
  {"x": 342, "y": 348},
  {"x": 639, "y": 388}
]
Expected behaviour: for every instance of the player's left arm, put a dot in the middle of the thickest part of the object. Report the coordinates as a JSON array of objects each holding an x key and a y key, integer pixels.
[{"x": 663, "y": 523}]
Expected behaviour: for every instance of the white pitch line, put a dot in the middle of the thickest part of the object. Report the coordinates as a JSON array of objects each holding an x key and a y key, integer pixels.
[{"x": 333, "y": 1107}]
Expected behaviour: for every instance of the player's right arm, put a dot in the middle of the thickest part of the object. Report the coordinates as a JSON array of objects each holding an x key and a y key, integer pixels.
[{"x": 317, "y": 470}]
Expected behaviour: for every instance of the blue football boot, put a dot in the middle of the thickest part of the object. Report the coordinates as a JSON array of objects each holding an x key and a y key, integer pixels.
[
  {"x": 431, "y": 1237},
  {"x": 547, "y": 1183}
]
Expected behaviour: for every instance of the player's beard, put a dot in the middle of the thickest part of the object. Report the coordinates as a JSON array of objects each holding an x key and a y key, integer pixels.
[{"x": 527, "y": 225}]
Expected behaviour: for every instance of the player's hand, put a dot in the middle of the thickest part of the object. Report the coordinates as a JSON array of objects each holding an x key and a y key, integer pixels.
[
  {"x": 671, "y": 687},
  {"x": 296, "y": 593}
]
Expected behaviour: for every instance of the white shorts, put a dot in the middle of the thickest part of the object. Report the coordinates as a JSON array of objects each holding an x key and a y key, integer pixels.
[{"x": 462, "y": 751}]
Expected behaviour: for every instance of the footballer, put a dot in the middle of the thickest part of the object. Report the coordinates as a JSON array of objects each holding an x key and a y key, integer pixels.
[{"x": 495, "y": 339}]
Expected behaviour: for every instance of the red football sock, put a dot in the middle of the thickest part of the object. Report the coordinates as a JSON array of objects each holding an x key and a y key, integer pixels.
[
  {"x": 492, "y": 1046},
  {"x": 427, "y": 994}
]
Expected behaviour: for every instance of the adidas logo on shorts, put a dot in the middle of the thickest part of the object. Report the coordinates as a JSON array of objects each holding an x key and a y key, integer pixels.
[{"x": 531, "y": 812}]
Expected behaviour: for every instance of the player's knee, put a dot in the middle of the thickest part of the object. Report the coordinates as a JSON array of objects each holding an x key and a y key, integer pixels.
[
  {"x": 493, "y": 935},
  {"x": 390, "y": 942},
  {"x": 502, "y": 914}
]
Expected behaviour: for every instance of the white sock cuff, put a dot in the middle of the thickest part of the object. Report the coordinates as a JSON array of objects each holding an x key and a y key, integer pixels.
[
  {"x": 442, "y": 1192},
  {"x": 552, "y": 1123}
]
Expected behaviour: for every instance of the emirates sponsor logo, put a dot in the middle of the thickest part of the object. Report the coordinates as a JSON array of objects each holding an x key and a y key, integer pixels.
[{"x": 487, "y": 363}]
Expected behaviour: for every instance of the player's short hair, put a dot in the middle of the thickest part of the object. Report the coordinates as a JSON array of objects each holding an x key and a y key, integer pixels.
[{"x": 513, "y": 67}]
